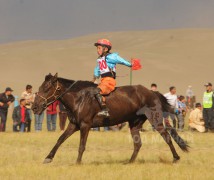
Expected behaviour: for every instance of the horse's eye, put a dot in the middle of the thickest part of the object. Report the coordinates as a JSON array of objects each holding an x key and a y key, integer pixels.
[{"x": 44, "y": 105}]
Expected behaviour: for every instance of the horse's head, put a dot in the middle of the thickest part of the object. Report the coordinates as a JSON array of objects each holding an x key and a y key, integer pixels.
[{"x": 48, "y": 93}]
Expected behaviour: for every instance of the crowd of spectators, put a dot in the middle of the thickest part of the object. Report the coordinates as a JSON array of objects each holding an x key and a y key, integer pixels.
[
  {"x": 22, "y": 114},
  {"x": 200, "y": 115}
]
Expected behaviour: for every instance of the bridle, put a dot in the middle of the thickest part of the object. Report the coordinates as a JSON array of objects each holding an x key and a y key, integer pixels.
[{"x": 56, "y": 97}]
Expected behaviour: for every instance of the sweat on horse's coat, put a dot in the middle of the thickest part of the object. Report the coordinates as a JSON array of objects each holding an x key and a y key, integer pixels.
[{"x": 134, "y": 104}]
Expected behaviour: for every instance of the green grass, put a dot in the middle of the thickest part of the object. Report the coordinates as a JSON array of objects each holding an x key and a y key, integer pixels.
[{"x": 22, "y": 155}]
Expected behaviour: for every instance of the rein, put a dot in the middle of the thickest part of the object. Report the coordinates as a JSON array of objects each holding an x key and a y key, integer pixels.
[{"x": 58, "y": 88}]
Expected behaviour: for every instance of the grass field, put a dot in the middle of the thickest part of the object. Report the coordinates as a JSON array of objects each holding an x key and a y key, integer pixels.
[
  {"x": 169, "y": 57},
  {"x": 106, "y": 152}
]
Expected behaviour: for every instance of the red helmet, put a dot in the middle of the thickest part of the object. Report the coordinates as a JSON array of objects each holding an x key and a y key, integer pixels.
[{"x": 103, "y": 42}]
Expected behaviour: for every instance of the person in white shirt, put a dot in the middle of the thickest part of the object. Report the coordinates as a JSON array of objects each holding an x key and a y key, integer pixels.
[
  {"x": 189, "y": 92},
  {"x": 173, "y": 101}
]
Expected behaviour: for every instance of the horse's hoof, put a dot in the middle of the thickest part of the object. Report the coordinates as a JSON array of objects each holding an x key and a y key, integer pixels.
[
  {"x": 127, "y": 163},
  {"x": 175, "y": 160},
  {"x": 47, "y": 160},
  {"x": 78, "y": 162}
]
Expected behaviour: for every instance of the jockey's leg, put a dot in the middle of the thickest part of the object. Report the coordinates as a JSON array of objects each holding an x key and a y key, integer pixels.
[
  {"x": 106, "y": 86},
  {"x": 104, "y": 109}
]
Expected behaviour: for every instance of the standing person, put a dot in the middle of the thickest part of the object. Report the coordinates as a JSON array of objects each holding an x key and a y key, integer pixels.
[
  {"x": 29, "y": 97},
  {"x": 38, "y": 121},
  {"x": 190, "y": 97},
  {"x": 173, "y": 101},
  {"x": 62, "y": 116},
  {"x": 52, "y": 116},
  {"x": 154, "y": 87},
  {"x": 208, "y": 107},
  {"x": 182, "y": 109},
  {"x": 20, "y": 116},
  {"x": 196, "y": 118},
  {"x": 6, "y": 99},
  {"x": 106, "y": 68}
]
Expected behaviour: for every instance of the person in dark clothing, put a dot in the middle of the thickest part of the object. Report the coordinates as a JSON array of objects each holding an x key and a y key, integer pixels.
[
  {"x": 62, "y": 116},
  {"x": 208, "y": 108},
  {"x": 21, "y": 116},
  {"x": 6, "y": 99}
]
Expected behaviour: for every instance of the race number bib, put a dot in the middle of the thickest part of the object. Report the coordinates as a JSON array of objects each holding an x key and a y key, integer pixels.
[{"x": 103, "y": 65}]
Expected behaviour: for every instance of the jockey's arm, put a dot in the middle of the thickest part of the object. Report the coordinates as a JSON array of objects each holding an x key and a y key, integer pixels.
[
  {"x": 115, "y": 58},
  {"x": 96, "y": 73}
]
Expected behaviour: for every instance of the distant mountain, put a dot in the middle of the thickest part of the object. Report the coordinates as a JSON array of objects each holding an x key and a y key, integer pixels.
[{"x": 169, "y": 57}]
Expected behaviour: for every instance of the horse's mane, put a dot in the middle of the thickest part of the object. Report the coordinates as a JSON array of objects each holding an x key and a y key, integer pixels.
[{"x": 79, "y": 85}]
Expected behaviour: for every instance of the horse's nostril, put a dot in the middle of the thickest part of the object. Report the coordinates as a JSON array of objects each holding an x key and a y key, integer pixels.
[{"x": 34, "y": 108}]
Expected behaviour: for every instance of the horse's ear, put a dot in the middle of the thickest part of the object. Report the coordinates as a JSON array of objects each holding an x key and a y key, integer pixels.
[
  {"x": 54, "y": 79},
  {"x": 48, "y": 77}
]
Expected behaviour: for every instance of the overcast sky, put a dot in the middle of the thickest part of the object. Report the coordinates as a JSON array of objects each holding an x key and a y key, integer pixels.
[{"x": 62, "y": 19}]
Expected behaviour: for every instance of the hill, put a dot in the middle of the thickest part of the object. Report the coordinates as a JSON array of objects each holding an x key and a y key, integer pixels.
[{"x": 169, "y": 57}]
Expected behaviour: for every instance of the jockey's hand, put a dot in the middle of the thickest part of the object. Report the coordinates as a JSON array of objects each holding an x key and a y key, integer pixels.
[{"x": 93, "y": 79}]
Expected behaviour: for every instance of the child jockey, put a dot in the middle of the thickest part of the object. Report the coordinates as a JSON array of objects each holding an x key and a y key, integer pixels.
[{"x": 106, "y": 68}]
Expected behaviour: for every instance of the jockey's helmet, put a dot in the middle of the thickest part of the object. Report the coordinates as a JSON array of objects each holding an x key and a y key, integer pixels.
[{"x": 104, "y": 42}]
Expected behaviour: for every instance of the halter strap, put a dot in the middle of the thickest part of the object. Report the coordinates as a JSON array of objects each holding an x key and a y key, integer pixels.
[
  {"x": 46, "y": 104},
  {"x": 66, "y": 90}
]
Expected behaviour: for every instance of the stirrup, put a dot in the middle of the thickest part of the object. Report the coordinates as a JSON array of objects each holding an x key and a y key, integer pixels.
[{"x": 103, "y": 113}]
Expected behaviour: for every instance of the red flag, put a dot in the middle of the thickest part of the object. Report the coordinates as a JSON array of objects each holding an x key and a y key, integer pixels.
[{"x": 136, "y": 64}]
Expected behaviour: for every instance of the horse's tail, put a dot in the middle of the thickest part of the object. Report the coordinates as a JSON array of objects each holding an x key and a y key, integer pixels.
[
  {"x": 181, "y": 143},
  {"x": 166, "y": 107}
]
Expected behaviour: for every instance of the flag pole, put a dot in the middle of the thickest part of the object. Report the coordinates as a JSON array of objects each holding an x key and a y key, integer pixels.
[{"x": 130, "y": 76}]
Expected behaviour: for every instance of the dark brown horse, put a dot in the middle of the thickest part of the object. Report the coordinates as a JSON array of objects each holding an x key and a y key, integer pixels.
[{"x": 134, "y": 104}]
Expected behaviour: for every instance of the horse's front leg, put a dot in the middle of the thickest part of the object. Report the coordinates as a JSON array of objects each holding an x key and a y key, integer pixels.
[
  {"x": 68, "y": 132},
  {"x": 84, "y": 130}
]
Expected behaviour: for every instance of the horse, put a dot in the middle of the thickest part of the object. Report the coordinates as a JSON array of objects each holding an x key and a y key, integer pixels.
[{"x": 133, "y": 104}]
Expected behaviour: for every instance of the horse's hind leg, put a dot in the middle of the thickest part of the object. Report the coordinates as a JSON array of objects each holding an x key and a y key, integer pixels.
[
  {"x": 135, "y": 127},
  {"x": 181, "y": 143},
  {"x": 155, "y": 116},
  {"x": 68, "y": 132},
  {"x": 166, "y": 136}
]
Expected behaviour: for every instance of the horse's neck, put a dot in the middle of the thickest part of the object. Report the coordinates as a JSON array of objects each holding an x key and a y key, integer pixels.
[{"x": 68, "y": 101}]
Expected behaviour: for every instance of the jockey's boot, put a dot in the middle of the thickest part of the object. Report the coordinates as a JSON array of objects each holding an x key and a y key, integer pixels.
[{"x": 104, "y": 109}]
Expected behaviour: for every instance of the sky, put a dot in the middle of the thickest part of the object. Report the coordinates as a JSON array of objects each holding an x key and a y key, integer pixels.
[{"x": 64, "y": 19}]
